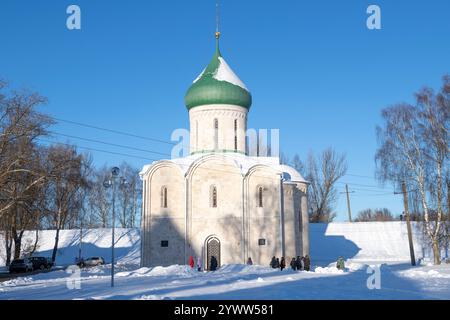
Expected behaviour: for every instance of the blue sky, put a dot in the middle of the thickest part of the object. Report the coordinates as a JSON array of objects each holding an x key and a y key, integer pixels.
[{"x": 315, "y": 71}]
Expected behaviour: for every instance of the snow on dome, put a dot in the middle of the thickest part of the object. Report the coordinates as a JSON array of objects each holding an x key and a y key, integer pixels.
[
  {"x": 199, "y": 76},
  {"x": 224, "y": 73}
]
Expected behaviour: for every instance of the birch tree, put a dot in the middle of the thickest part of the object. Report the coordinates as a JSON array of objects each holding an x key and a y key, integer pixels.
[{"x": 414, "y": 148}]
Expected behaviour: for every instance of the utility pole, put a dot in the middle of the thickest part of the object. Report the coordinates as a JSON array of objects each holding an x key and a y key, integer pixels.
[
  {"x": 408, "y": 223},
  {"x": 111, "y": 182},
  {"x": 348, "y": 204}
]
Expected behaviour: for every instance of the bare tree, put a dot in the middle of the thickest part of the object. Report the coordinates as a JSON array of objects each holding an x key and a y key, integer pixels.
[
  {"x": 20, "y": 125},
  {"x": 98, "y": 200},
  {"x": 21, "y": 175},
  {"x": 129, "y": 196},
  {"x": 414, "y": 148},
  {"x": 67, "y": 179},
  {"x": 374, "y": 215},
  {"x": 322, "y": 173}
]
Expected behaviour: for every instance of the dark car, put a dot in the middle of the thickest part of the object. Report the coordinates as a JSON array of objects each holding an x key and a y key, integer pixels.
[
  {"x": 41, "y": 263},
  {"x": 20, "y": 265}
]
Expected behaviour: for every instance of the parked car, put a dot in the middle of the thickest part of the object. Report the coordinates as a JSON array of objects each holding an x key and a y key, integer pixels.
[
  {"x": 21, "y": 265},
  {"x": 92, "y": 262},
  {"x": 41, "y": 263}
]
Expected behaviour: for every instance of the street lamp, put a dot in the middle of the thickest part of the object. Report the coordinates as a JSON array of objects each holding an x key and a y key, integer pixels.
[{"x": 111, "y": 182}]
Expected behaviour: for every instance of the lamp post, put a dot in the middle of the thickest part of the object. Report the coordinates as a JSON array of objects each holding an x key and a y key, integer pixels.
[{"x": 111, "y": 182}]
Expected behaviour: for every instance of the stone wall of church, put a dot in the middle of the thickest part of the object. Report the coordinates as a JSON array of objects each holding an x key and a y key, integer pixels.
[
  {"x": 256, "y": 216},
  {"x": 204, "y": 137},
  {"x": 164, "y": 219},
  {"x": 263, "y": 223},
  {"x": 223, "y": 221}
]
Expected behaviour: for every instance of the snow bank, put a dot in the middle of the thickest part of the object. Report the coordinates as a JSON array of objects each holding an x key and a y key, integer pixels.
[
  {"x": 412, "y": 273},
  {"x": 243, "y": 268},
  {"x": 174, "y": 270},
  {"x": 330, "y": 270},
  {"x": 365, "y": 242},
  {"x": 96, "y": 242}
]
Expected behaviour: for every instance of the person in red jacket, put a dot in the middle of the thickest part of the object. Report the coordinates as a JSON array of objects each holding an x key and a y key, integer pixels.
[{"x": 191, "y": 262}]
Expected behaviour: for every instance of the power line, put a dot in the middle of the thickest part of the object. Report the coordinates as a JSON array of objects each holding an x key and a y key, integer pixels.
[
  {"x": 362, "y": 185},
  {"x": 97, "y": 150},
  {"x": 113, "y": 131},
  {"x": 110, "y": 144},
  {"x": 165, "y": 142},
  {"x": 359, "y": 176},
  {"x": 144, "y": 158}
]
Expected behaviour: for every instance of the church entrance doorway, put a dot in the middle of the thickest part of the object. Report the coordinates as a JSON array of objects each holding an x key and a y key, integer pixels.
[{"x": 212, "y": 253}]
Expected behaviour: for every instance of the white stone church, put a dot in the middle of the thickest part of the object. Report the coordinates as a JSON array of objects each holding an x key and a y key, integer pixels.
[{"x": 219, "y": 201}]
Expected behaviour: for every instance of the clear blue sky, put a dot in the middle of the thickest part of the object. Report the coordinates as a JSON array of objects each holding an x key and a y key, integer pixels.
[{"x": 315, "y": 71}]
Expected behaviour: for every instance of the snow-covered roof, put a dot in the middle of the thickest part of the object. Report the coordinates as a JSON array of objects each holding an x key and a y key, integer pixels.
[{"x": 243, "y": 162}]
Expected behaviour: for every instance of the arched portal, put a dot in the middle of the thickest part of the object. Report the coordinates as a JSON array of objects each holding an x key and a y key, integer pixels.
[{"x": 212, "y": 253}]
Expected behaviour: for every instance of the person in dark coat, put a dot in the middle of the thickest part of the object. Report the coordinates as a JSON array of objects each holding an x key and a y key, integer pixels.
[
  {"x": 293, "y": 264},
  {"x": 282, "y": 264},
  {"x": 307, "y": 263},
  {"x": 273, "y": 262},
  {"x": 213, "y": 264},
  {"x": 277, "y": 263},
  {"x": 249, "y": 261},
  {"x": 199, "y": 264},
  {"x": 298, "y": 263}
]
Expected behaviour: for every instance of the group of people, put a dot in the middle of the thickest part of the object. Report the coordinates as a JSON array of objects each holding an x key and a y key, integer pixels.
[
  {"x": 300, "y": 264},
  {"x": 192, "y": 263},
  {"x": 212, "y": 265}
]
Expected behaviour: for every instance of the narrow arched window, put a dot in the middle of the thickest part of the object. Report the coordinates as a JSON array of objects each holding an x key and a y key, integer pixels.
[
  {"x": 235, "y": 135},
  {"x": 260, "y": 197},
  {"x": 164, "y": 197},
  {"x": 216, "y": 134},
  {"x": 213, "y": 196}
]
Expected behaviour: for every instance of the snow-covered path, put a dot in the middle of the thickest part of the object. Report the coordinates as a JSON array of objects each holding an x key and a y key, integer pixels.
[{"x": 236, "y": 282}]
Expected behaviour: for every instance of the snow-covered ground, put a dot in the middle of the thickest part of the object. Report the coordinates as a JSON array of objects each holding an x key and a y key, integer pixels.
[
  {"x": 362, "y": 244},
  {"x": 398, "y": 281}
]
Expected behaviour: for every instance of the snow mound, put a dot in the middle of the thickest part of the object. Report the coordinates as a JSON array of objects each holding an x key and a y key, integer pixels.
[
  {"x": 149, "y": 297},
  {"x": 355, "y": 266},
  {"x": 243, "y": 268},
  {"x": 424, "y": 274},
  {"x": 329, "y": 270},
  {"x": 17, "y": 282},
  {"x": 174, "y": 270}
]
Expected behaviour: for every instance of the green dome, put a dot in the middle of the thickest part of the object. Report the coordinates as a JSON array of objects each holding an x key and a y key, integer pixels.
[{"x": 218, "y": 84}]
